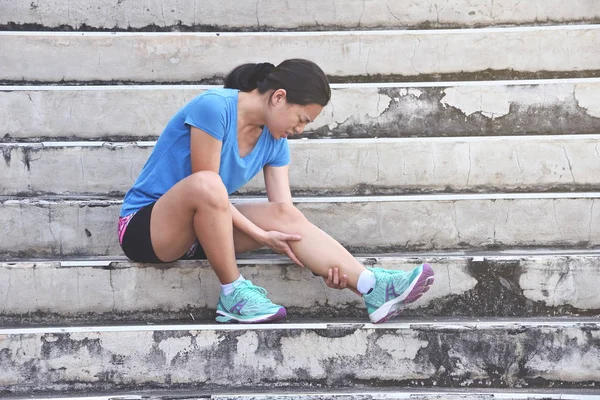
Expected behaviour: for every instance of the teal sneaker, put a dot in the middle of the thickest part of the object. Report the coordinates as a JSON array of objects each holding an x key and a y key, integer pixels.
[
  {"x": 248, "y": 304},
  {"x": 394, "y": 289}
]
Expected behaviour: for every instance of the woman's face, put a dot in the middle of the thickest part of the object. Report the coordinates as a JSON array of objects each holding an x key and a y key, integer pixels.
[{"x": 284, "y": 119}]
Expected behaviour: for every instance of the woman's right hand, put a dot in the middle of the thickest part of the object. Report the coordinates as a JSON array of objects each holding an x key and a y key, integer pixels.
[{"x": 278, "y": 242}]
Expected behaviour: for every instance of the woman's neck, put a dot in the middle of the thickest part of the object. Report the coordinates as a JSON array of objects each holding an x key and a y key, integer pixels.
[{"x": 251, "y": 111}]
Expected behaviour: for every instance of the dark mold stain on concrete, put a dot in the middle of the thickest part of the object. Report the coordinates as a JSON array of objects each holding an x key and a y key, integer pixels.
[{"x": 6, "y": 153}]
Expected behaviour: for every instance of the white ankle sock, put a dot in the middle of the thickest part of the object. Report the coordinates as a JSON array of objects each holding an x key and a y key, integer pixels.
[
  {"x": 227, "y": 289},
  {"x": 366, "y": 282}
]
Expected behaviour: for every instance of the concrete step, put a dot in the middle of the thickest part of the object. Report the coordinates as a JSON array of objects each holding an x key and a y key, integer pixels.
[
  {"x": 121, "y": 113},
  {"x": 370, "y": 394},
  {"x": 101, "y": 291},
  {"x": 455, "y": 353},
  {"x": 308, "y": 15},
  {"x": 86, "y": 227},
  {"x": 201, "y": 57},
  {"x": 363, "y": 166}
]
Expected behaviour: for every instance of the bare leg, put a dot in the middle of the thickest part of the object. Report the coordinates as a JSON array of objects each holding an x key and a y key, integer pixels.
[
  {"x": 317, "y": 250},
  {"x": 196, "y": 207}
]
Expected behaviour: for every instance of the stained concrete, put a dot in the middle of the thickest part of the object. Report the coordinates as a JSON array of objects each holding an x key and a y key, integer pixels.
[
  {"x": 43, "y": 228},
  {"x": 118, "y": 113},
  {"x": 193, "y": 57},
  {"x": 306, "y": 15},
  {"x": 505, "y": 355},
  {"x": 342, "y": 167},
  {"x": 51, "y": 292}
]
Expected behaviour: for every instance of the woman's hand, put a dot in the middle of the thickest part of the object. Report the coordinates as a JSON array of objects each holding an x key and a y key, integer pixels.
[
  {"x": 278, "y": 242},
  {"x": 335, "y": 282}
]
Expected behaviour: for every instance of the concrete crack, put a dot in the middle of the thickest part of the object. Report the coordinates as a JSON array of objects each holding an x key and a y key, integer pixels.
[
  {"x": 361, "y": 13},
  {"x": 378, "y": 162},
  {"x": 7, "y": 293},
  {"x": 569, "y": 161},
  {"x": 470, "y": 166},
  {"x": 597, "y": 151},
  {"x": 368, "y": 60},
  {"x": 34, "y": 105},
  {"x": 256, "y": 10},
  {"x": 162, "y": 9},
  {"x": 112, "y": 287},
  {"x": 518, "y": 161},
  {"x": 413, "y": 55},
  {"x": 449, "y": 280},
  {"x": 556, "y": 220},
  {"x": 433, "y": 159},
  {"x": 306, "y": 174},
  {"x": 591, "y": 220},
  {"x": 456, "y": 221},
  {"x": 391, "y": 13}
]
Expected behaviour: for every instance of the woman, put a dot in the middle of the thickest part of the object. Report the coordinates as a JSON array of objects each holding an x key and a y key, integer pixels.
[{"x": 179, "y": 206}]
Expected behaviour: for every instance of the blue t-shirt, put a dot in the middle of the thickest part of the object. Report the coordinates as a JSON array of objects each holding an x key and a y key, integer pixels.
[{"x": 214, "y": 112}]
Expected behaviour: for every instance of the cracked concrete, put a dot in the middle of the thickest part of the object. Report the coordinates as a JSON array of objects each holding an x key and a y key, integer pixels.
[
  {"x": 349, "y": 167},
  {"x": 550, "y": 107},
  {"x": 305, "y": 15},
  {"x": 333, "y": 356},
  {"x": 402, "y": 226},
  {"x": 458, "y": 52}
]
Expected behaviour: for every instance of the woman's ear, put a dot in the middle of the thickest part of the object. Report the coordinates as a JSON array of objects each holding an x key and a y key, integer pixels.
[{"x": 278, "y": 96}]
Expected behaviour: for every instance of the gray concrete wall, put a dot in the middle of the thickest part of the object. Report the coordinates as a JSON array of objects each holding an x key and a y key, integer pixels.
[
  {"x": 513, "y": 354},
  {"x": 291, "y": 15},
  {"x": 42, "y": 228},
  {"x": 343, "y": 167},
  {"x": 193, "y": 57},
  {"x": 570, "y": 106},
  {"x": 51, "y": 292}
]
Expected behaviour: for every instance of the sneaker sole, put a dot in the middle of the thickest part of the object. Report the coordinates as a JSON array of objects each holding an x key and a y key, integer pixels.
[
  {"x": 393, "y": 307},
  {"x": 279, "y": 315}
]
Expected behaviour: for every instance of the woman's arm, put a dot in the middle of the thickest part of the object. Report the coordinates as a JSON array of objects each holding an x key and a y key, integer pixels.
[{"x": 277, "y": 182}]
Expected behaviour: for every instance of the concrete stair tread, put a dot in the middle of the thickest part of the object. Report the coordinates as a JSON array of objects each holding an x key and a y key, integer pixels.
[{"x": 348, "y": 394}]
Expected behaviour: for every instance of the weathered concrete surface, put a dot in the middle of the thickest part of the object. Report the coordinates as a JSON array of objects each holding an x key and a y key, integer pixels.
[
  {"x": 51, "y": 292},
  {"x": 508, "y": 355},
  {"x": 43, "y": 228},
  {"x": 307, "y": 15},
  {"x": 564, "y": 106},
  {"x": 193, "y": 57},
  {"x": 343, "y": 167},
  {"x": 427, "y": 394}
]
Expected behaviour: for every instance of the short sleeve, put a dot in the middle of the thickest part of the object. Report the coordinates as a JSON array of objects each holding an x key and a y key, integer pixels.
[
  {"x": 281, "y": 154},
  {"x": 208, "y": 112}
]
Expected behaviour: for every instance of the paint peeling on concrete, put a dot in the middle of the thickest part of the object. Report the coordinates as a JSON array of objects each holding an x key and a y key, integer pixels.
[
  {"x": 588, "y": 98},
  {"x": 444, "y": 356}
]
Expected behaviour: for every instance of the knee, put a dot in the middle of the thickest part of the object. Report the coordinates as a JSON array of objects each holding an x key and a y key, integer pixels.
[
  {"x": 209, "y": 190},
  {"x": 288, "y": 214}
]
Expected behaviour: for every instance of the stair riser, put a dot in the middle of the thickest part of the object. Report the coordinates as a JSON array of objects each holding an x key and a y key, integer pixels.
[
  {"x": 486, "y": 108},
  {"x": 90, "y": 57},
  {"x": 308, "y": 15},
  {"x": 345, "y": 168},
  {"x": 188, "y": 291},
  {"x": 42, "y": 229},
  {"x": 506, "y": 356}
]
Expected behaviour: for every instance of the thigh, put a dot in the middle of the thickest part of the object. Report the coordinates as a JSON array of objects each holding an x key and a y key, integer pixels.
[{"x": 172, "y": 222}]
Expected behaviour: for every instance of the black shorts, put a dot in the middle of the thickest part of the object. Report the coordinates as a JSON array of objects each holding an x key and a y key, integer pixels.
[{"x": 137, "y": 245}]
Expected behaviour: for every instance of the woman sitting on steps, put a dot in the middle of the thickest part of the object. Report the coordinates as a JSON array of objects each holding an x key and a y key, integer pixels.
[{"x": 179, "y": 206}]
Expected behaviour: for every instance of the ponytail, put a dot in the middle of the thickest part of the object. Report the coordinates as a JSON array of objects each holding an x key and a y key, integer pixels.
[{"x": 304, "y": 82}]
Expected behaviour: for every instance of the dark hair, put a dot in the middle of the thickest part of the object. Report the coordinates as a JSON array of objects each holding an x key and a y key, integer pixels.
[{"x": 303, "y": 80}]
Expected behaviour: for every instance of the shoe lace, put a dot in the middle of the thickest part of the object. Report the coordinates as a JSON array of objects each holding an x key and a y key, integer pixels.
[{"x": 251, "y": 293}]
